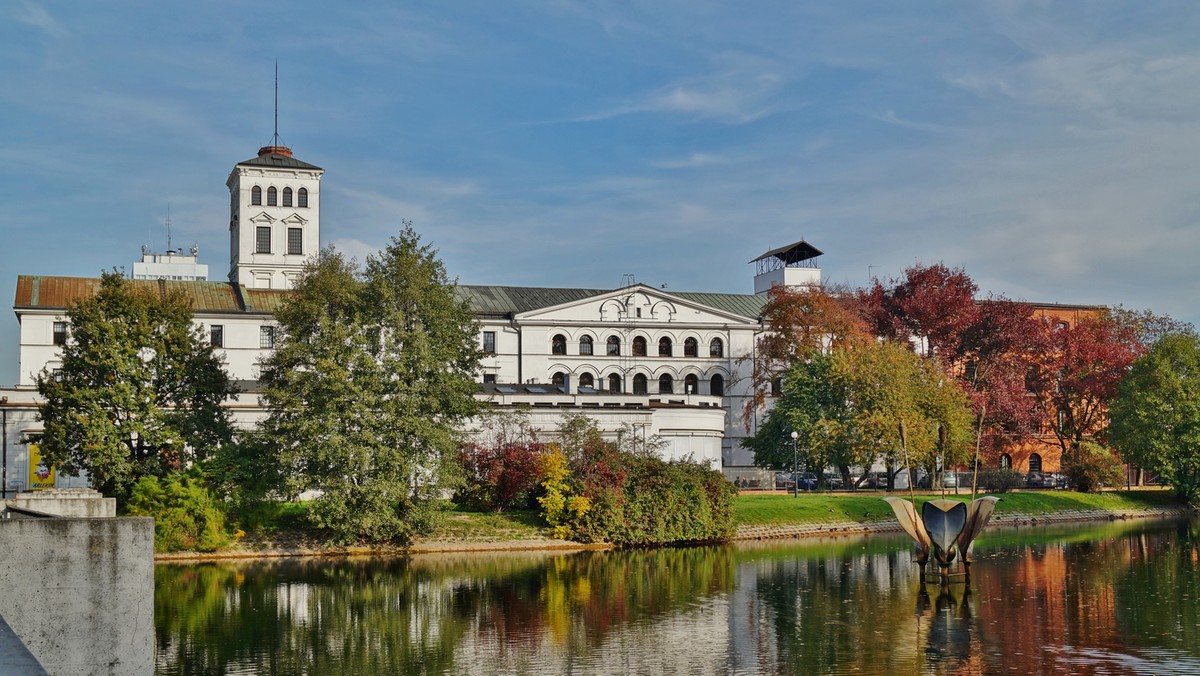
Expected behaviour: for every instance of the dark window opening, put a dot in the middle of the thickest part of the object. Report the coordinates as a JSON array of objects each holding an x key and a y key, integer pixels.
[
  {"x": 489, "y": 342},
  {"x": 558, "y": 344},
  {"x": 716, "y": 348},
  {"x": 1035, "y": 463},
  {"x": 559, "y": 379},
  {"x": 614, "y": 384},
  {"x": 586, "y": 380},
  {"x": 60, "y": 333},
  {"x": 639, "y": 384},
  {"x": 302, "y": 198},
  {"x": 666, "y": 385},
  {"x": 690, "y": 347},
  {"x": 272, "y": 196},
  {"x": 216, "y": 335},
  {"x": 776, "y": 387},
  {"x": 691, "y": 384},
  {"x": 295, "y": 241},
  {"x": 717, "y": 386},
  {"x": 585, "y": 345},
  {"x": 489, "y": 378},
  {"x": 262, "y": 240},
  {"x": 639, "y": 347},
  {"x": 664, "y": 347},
  {"x": 613, "y": 346},
  {"x": 1005, "y": 461},
  {"x": 256, "y": 196}
]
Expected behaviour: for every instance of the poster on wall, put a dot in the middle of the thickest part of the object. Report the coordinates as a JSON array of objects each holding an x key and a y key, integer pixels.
[{"x": 41, "y": 476}]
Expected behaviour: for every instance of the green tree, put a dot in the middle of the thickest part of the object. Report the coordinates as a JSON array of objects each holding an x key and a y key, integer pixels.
[
  {"x": 1155, "y": 418},
  {"x": 139, "y": 392},
  {"x": 372, "y": 375}
]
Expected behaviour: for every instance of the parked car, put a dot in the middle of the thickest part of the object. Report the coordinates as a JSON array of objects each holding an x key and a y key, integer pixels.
[
  {"x": 1038, "y": 480},
  {"x": 784, "y": 481},
  {"x": 834, "y": 481},
  {"x": 807, "y": 481}
]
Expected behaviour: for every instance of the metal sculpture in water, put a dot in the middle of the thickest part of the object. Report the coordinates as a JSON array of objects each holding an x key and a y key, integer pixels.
[{"x": 947, "y": 529}]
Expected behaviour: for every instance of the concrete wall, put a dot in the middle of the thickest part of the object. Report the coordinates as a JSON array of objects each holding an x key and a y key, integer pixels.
[
  {"x": 69, "y": 502},
  {"x": 80, "y": 592}
]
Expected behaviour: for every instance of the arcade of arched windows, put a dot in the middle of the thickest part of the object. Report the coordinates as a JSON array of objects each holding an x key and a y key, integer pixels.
[{"x": 640, "y": 345}]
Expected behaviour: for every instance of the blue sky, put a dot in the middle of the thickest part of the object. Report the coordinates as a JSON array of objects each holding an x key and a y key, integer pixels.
[{"x": 1048, "y": 148}]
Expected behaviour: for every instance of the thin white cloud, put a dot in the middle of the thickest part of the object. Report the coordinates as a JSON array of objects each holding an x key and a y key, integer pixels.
[
  {"x": 33, "y": 14},
  {"x": 689, "y": 162}
]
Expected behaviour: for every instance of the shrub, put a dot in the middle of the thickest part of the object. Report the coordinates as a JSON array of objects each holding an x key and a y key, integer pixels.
[
  {"x": 1000, "y": 479},
  {"x": 186, "y": 516},
  {"x": 499, "y": 477},
  {"x": 1090, "y": 466}
]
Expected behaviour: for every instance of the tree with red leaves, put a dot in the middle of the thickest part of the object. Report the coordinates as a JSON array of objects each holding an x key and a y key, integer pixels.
[
  {"x": 1076, "y": 374},
  {"x": 933, "y": 304},
  {"x": 800, "y": 323}
]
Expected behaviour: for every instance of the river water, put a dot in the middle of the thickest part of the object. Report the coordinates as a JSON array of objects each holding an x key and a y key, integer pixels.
[{"x": 1102, "y": 599}]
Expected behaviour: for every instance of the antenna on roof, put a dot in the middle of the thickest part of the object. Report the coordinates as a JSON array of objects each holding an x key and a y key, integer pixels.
[
  {"x": 169, "y": 249},
  {"x": 275, "y": 140}
]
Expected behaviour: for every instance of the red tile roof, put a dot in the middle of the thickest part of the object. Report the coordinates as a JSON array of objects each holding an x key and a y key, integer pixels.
[{"x": 55, "y": 293}]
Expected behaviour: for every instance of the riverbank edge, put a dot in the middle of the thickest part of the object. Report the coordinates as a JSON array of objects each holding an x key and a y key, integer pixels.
[{"x": 744, "y": 533}]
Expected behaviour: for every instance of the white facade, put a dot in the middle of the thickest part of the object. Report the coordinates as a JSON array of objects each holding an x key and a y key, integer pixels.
[
  {"x": 274, "y": 218},
  {"x": 669, "y": 364},
  {"x": 170, "y": 265}
]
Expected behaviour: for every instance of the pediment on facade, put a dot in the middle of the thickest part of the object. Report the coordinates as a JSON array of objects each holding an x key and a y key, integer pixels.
[
  {"x": 639, "y": 304},
  {"x": 262, "y": 217},
  {"x": 295, "y": 219}
]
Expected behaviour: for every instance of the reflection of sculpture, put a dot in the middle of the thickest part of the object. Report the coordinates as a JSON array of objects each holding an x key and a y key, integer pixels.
[{"x": 946, "y": 527}]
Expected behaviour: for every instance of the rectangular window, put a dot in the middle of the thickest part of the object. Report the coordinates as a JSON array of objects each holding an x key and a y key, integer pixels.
[
  {"x": 489, "y": 342},
  {"x": 262, "y": 239},
  {"x": 60, "y": 333},
  {"x": 216, "y": 335},
  {"x": 295, "y": 241},
  {"x": 489, "y": 379},
  {"x": 266, "y": 337}
]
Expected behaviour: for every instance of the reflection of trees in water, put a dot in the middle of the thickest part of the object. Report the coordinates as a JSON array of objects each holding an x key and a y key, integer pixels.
[{"x": 422, "y": 614}]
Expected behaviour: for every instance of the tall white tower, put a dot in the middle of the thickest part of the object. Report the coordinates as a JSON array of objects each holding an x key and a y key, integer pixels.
[
  {"x": 274, "y": 218},
  {"x": 790, "y": 266}
]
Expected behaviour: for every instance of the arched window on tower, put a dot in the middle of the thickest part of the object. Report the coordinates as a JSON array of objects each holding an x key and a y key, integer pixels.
[
  {"x": 689, "y": 347},
  {"x": 666, "y": 384},
  {"x": 302, "y": 198},
  {"x": 287, "y": 197},
  {"x": 558, "y": 344},
  {"x": 639, "y": 347},
  {"x": 691, "y": 384},
  {"x": 716, "y": 385},
  {"x": 664, "y": 347},
  {"x": 614, "y": 384},
  {"x": 716, "y": 348},
  {"x": 639, "y": 384},
  {"x": 613, "y": 346},
  {"x": 272, "y": 196},
  {"x": 256, "y": 196}
]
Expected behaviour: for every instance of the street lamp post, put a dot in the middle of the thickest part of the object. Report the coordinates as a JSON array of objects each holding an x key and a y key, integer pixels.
[{"x": 795, "y": 465}]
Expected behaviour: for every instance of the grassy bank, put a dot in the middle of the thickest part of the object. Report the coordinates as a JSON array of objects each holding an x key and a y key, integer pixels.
[{"x": 778, "y": 509}]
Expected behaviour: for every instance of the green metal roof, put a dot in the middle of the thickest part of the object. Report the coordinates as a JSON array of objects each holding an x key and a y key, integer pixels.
[{"x": 504, "y": 300}]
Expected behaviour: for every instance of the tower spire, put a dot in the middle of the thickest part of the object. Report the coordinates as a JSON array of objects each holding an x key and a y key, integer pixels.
[{"x": 275, "y": 140}]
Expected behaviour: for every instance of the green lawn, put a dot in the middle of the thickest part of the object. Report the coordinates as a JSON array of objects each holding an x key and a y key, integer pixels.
[{"x": 778, "y": 509}]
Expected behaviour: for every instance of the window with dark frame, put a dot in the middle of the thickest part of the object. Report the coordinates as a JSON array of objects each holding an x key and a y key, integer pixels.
[
  {"x": 558, "y": 344},
  {"x": 716, "y": 385},
  {"x": 262, "y": 239},
  {"x": 666, "y": 384},
  {"x": 287, "y": 197},
  {"x": 691, "y": 384},
  {"x": 586, "y": 380},
  {"x": 256, "y": 196},
  {"x": 489, "y": 342},
  {"x": 639, "y": 384},
  {"x": 664, "y": 347},
  {"x": 489, "y": 379},
  {"x": 302, "y": 198},
  {"x": 266, "y": 337},
  {"x": 690, "y": 347},
  {"x": 585, "y": 345},
  {"x": 613, "y": 346},
  {"x": 295, "y": 241},
  {"x": 60, "y": 333},
  {"x": 614, "y": 384},
  {"x": 639, "y": 347},
  {"x": 272, "y": 196},
  {"x": 716, "y": 348},
  {"x": 216, "y": 335}
]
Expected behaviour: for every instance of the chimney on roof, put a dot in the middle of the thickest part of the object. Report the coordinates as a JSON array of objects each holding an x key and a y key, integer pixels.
[{"x": 275, "y": 150}]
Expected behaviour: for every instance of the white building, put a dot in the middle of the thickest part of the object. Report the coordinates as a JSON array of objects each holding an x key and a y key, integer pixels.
[
  {"x": 172, "y": 264},
  {"x": 670, "y": 364}
]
